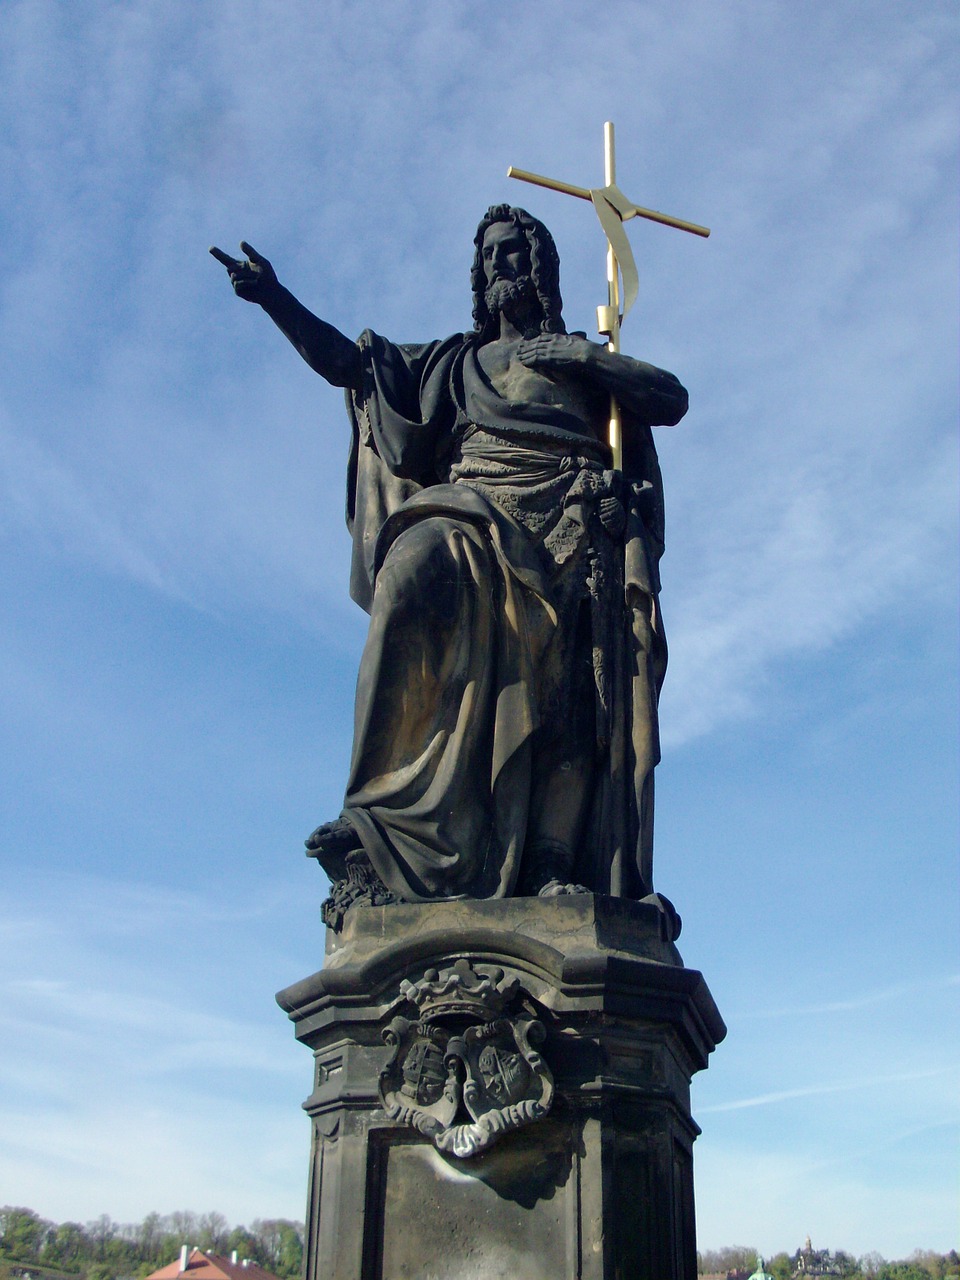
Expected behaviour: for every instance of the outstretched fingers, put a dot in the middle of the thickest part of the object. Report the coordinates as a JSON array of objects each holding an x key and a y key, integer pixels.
[
  {"x": 252, "y": 254},
  {"x": 225, "y": 258}
]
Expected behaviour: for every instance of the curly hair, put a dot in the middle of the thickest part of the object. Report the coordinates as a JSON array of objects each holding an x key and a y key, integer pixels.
[{"x": 544, "y": 270}]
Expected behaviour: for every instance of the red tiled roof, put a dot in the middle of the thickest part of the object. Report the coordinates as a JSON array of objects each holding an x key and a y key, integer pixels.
[{"x": 210, "y": 1266}]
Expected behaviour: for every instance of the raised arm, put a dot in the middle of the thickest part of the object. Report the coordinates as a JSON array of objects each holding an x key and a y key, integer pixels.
[
  {"x": 326, "y": 350},
  {"x": 653, "y": 395}
]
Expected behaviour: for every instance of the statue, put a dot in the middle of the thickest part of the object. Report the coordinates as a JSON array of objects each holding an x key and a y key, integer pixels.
[{"x": 506, "y": 710}]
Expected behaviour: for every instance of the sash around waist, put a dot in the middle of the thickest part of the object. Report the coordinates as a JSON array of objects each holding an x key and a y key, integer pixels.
[{"x": 495, "y": 461}]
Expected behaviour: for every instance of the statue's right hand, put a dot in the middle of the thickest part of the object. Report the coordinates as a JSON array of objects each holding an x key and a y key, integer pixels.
[{"x": 253, "y": 278}]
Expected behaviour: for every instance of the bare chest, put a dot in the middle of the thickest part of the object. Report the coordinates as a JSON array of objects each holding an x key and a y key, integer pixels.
[{"x": 515, "y": 382}]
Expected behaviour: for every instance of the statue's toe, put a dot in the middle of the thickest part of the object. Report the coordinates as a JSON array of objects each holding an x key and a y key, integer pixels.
[
  {"x": 330, "y": 837},
  {"x": 557, "y": 889},
  {"x": 330, "y": 844}
]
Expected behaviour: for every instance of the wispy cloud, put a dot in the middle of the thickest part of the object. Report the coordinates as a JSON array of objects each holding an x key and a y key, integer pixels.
[
  {"x": 155, "y": 433},
  {"x": 156, "y": 1154},
  {"x": 897, "y": 991},
  {"x": 793, "y": 501},
  {"x": 126, "y": 1003},
  {"x": 47, "y": 502},
  {"x": 819, "y": 1090}
]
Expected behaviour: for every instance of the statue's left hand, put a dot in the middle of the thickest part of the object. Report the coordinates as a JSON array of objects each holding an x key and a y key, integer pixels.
[{"x": 556, "y": 351}]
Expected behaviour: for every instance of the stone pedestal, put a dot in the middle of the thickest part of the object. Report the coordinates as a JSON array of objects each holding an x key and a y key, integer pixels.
[{"x": 502, "y": 1089}]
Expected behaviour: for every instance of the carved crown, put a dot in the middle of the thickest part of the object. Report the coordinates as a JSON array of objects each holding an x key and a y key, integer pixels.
[{"x": 460, "y": 990}]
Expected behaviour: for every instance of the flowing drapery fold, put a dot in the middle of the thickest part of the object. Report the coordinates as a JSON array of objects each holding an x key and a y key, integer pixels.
[{"x": 507, "y": 698}]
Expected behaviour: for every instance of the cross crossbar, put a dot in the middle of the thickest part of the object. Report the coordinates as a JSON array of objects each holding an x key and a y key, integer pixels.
[{"x": 613, "y": 209}]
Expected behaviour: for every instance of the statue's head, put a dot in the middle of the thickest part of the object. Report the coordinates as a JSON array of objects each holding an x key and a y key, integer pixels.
[{"x": 538, "y": 279}]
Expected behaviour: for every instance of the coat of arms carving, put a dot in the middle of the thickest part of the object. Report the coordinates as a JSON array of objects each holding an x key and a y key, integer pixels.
[{"x": 466, "y": 1070}]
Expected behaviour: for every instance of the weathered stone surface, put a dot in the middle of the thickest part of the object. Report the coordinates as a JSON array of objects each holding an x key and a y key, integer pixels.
[
  {"x": 469, "y": 1047},
  {"x": 506, "y": 731},
  {"x": 600, "y": 1186},
  {"x": 503, "y": 1032}
]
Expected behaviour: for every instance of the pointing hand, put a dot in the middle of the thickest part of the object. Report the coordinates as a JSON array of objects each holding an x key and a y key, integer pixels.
[{"x": 253, "y": 278}]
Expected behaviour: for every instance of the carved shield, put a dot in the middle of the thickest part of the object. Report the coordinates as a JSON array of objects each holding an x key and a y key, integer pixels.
[
  {"x": 424, "y": 1072},
  {"x": 503, "y": 1074},
  {"x": 467, "y": 1071}
]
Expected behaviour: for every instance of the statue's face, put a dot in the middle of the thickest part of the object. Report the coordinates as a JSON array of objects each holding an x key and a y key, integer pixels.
[{"x": 505, "y": 252}]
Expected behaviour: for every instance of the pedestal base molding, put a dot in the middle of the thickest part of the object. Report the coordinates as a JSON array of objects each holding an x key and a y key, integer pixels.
[{"x": 502, "y": 1089}]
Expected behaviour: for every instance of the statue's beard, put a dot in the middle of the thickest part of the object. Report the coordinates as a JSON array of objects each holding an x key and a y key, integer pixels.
[{"x": 515, "y": 298}]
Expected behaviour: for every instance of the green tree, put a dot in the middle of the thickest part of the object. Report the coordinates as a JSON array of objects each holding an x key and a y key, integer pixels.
[
  {"x": 150, "y": 1235},
  {"x": 244, "y": 1242},
  {"x": 183, "y": 1224},
  {"x": 934, "y": 1263},
  {"x": 741, "y": 1257},
  {"x": 280, "y": 1245},
  {"x": 22, "y": 1232},
  {"x": 100, "y": 1232},
  {"x": 65, "y": 1245},
  {"x": 213, "y": 1231},
  {"x": 100, "y": 1271},
  {"x": 780, "y": 1266}
]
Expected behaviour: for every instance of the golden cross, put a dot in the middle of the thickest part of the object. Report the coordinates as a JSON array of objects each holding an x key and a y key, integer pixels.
[{"x": 613, "y": 209}]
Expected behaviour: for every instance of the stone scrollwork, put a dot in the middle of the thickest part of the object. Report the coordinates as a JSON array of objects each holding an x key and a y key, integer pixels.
[{"x": 465, "y": 1070}]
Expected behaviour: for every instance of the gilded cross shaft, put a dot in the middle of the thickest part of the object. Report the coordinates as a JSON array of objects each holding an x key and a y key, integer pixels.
[{"x": 613, "y": 209}]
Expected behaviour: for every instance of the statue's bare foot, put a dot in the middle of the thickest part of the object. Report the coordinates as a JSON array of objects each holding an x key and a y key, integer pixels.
[
  {"x": 547, "y": 866},
  {"x": 336, "y": 835},
  {"x": 330, "y": 844},
  {"x": 557, "y": 889}
]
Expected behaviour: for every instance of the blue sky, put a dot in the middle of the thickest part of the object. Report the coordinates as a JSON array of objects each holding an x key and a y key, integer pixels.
[{"x": 178, "y": 651}]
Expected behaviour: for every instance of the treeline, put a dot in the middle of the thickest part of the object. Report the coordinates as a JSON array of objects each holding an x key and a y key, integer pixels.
[
  {"x": 108, "y": 1250},
  {"x": 742, "y": 1261}
]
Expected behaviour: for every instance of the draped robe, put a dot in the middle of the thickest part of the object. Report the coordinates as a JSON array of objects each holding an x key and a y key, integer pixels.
[{"x": 515, "y": 652}]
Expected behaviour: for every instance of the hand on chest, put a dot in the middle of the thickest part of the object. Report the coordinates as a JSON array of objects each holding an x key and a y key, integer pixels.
[{"x": 518, "y": 383}]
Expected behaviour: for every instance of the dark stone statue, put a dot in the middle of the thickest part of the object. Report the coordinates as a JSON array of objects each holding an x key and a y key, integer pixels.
[{"x": 506, "y": 713}]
